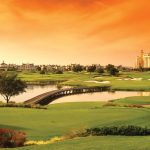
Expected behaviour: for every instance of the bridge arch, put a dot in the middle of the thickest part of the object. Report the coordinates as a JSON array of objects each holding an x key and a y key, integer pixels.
[{"x": 46, "y": 98}]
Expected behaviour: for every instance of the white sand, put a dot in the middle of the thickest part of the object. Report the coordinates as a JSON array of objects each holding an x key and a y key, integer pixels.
[
  {"x": 130, "y": 79},
  {"x": 137, "y": 79},
  {"x": 98, "y": 77},
  {"x": 104, "y": 82}
]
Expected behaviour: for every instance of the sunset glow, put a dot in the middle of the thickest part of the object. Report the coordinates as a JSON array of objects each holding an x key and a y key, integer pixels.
[{"x": 74, "y": 31}]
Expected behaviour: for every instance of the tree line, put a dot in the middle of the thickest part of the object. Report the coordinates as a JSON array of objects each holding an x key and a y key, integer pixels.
[{"x": 111, "y": 69}]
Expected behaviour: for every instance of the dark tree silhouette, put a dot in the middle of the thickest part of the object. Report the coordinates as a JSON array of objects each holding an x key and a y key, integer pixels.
[
  {"x": 113, "y": 71},
  {"x": 100, "y": 70},
  {"x": 10, "y": 85},
  {"x": 91, "y": 68},
  {"x": 109, "y": 67},
  {"x": 77, "y": 68}
]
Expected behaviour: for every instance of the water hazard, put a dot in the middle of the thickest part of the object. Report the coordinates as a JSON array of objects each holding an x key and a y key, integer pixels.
[{"x": 34, "y": 90}]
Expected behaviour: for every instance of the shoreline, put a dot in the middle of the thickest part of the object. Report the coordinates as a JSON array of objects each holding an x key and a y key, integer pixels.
[{"x": 39, "y": 83}]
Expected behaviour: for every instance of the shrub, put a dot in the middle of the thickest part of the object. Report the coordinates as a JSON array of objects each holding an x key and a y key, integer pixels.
[
  {"x": 75, "y": 133},
  {"x": 42, "y": 72},
  {"x": 110, "y": 104},
  {"x": 134, "y": 106},
  {"x": 22, "y": 105},
  {"x": 59, "y": 71},
  {"x": 50, "y": 141},
  {"x": 10, "y": 138},
  {"x": 122, "y": 130}
]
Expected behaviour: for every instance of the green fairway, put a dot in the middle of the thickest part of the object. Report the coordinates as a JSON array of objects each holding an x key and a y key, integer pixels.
[
  {"x": 97, "y": 143},
  {"x": 124, "y": 81},
  {"x": 139, "y": 100},
  {"x": 60, "y": 119}
]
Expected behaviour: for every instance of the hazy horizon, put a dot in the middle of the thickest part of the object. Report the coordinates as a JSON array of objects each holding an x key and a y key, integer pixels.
[{"x": 67, "y": 31}]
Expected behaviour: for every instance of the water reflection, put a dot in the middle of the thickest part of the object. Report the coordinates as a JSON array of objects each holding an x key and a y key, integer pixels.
[
  {"x": 101, "y": 96},
  {"x": 34, "y": 90},
  {"x": 144, "y": 93}
]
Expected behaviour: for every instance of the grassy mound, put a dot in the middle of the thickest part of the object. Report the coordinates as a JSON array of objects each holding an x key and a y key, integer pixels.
[
  {"x": 60, "y": 119},
  {"x": 136, "y": 100}
]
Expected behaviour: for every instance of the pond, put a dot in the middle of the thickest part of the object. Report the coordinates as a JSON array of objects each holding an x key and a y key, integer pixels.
[
  {"x": 100, "y": 96},
  {"x": 34, "y": 90}
]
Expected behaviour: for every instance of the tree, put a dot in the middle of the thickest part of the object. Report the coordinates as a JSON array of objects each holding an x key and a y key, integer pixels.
[
  {"x": 44, "y": 69},
  {"x": 113, "y": 71},
  {"x": 38, "y": 68},
  {"x": 59, "y": 71},
  {"x": 91, "y": 68},
  {"x": 77, "y": 68},
  {"x": 109, "y": 67},
  {"x": 42, "y": 72},
  {"x": 10, "y": 85},
  {"x": 100, "y": 70}
]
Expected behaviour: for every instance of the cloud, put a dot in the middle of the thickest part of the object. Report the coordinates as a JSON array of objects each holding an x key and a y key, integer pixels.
[
  {"x": 93, "y": 27},
  {"x": 48, "y": 5}
]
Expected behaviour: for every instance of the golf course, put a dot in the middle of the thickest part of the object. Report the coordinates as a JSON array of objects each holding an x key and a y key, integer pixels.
[
  {"x": 132, "y": 81},
  {"x": 62, "y": 119},
  {"x": 66, "y": 118}
]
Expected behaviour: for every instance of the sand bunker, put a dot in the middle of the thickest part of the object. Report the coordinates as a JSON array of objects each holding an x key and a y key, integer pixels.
[
  {"x": 131, "y": 79},
  {"x": 104, "y": 82},
  {"x": 98, "y": 77},
  {"x": 137, "y": 79}
]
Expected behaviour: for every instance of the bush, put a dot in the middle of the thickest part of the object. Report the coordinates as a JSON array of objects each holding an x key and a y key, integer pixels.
[
  {"x": 10, "y": 138},
  {"x": 111, "y": 104},
  {"x": 42, "y": 72},
  {"x": 122, "y": 130},
  {"x": 134, "y": 106},
  {"x": 22, "y": 105},
  {"x": 59, "y": 71}
]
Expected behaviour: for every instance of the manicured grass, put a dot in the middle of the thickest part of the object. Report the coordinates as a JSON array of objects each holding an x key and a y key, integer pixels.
[
  {"x": 59, "y": 119},
  {"x": 97, "y": 143},
  {"x": 78, "y": 79},
  {"x": 139, "y": 100},
  {"x": 28, "y": 76},
  {"x": 131, "y": 85},
  {"x": 144, "y": 75}
]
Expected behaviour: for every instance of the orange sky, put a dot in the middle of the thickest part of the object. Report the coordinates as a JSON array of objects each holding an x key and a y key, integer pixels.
[{"x": 74, "y": 31}]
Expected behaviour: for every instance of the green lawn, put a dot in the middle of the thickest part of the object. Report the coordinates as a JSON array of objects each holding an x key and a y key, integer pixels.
[
  {"x": 60, "y": 119},
  {"x": 139, "y": 100},
  {"x": 79, "y": 79},
  {"x": 97, "y": 143}
]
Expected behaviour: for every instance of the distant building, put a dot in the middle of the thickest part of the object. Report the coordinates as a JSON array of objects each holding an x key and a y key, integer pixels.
[
  {"x": 143, "y": 61},
  {"x": 27, "y": 67},
  {"x": 6, "y": 67},
  {"x": 3, "y": 66}
]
